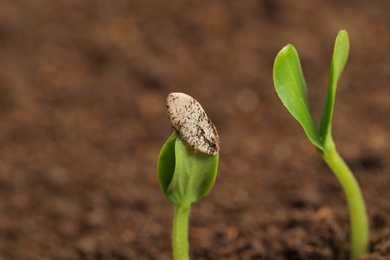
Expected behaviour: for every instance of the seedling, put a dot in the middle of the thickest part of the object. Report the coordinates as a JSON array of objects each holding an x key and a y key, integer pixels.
[
  {"x": 291, "y": 88},
  {"x": 187, "y": 164}
]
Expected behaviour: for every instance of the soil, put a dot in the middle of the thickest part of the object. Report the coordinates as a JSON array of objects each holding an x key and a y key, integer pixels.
[{"x": 82, "y": 119}]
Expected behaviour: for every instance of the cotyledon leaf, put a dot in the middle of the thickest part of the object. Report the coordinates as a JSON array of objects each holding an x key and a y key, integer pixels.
[
  {"x": 291, "y": 88},
  {"x": 339, "y": 59}
]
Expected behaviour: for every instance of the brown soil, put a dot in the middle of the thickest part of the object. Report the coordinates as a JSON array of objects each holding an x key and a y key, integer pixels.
[{"x": 82, "y": 119}]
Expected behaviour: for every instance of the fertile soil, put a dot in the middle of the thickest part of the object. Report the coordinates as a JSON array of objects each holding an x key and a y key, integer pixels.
[{"x": 82, "y": 119}]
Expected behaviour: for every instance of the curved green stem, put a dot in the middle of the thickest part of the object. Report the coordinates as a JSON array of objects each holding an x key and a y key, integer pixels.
[
  {"x": 180, "y": 233},
  {"x": 357, "y": 209}
]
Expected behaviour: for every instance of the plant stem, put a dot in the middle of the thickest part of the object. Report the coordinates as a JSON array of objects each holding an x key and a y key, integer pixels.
[
  {"x": 180, "y": 233},
  {"x": 357, "y": 209}
]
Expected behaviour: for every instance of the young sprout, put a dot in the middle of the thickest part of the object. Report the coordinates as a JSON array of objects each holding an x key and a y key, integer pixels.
[
  {"x": 187, "y": 164},
  {"x": 291, "y": 88}
]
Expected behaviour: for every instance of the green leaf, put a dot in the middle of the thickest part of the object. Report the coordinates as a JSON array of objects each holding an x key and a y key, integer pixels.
[
  {"x": 291, "y": 88},
  {"x": 339, "y": 59},
  {"x": 185, "y": 174},
  {"x": 166, "y": 162}
]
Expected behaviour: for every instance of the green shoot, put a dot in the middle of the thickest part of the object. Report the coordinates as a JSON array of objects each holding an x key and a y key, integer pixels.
[
  {"x": 291, "y": 89},
  {"x": 187, "y": 169}
]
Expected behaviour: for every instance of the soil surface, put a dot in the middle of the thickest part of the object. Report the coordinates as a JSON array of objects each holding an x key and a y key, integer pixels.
[{"x": 82, "y": 119}]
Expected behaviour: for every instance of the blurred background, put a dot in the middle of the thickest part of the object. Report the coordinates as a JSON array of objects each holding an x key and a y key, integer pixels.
[{"x": 82, "y": 119}]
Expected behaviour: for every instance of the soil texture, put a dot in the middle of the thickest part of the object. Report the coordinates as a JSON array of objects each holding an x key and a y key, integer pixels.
[{"x": 82, "y": 119}]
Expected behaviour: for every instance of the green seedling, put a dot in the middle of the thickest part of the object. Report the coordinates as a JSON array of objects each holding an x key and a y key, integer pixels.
[
  {"x": 291, "y": 88},
  {"x": 187, "y": 164}
]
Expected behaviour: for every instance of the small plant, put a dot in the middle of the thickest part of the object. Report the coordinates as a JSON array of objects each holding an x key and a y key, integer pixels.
[
  {"x": 187, "y": 164},
  {"x": 291, "y": 88}
]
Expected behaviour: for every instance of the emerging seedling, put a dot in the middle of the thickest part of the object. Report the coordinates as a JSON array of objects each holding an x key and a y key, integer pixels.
[
  {"x": 291, "y": 88},
  {"x": 187, "y": 164}
]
